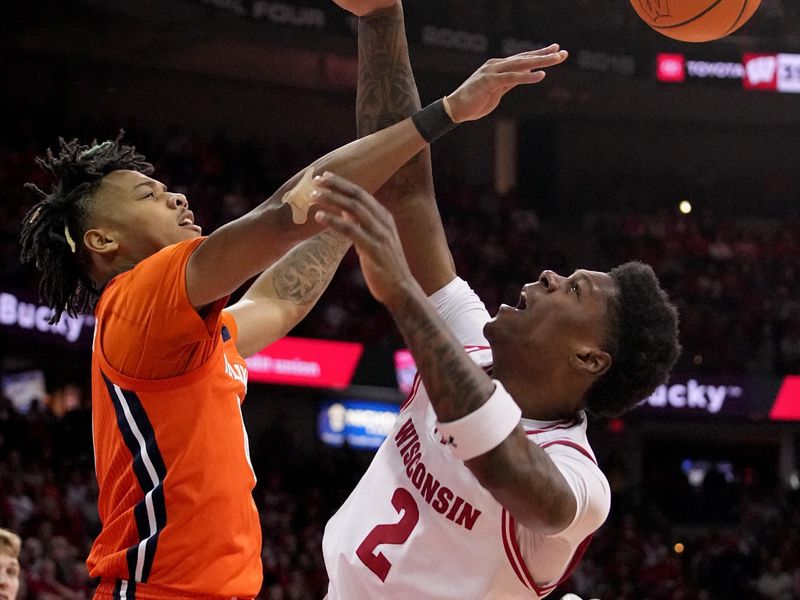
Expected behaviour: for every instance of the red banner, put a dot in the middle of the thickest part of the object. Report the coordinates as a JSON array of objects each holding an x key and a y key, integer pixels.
[{"x": 306, "y": 362}]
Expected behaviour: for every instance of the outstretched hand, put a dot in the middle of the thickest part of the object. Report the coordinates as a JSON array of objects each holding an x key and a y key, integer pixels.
[
  {"x": 352, "y": 212},
  {"x": 481, "y": 93}
]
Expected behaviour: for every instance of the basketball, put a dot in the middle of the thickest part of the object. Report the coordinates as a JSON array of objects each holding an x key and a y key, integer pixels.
[{"x": 695, "y": 20}]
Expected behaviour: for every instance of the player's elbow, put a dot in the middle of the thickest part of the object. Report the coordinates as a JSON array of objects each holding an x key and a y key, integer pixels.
[
  {"x": 550, "y": 513},
  {"x": 536, "y": 498}
]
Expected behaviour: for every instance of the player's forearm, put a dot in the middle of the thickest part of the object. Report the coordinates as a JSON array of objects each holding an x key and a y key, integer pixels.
[
  {"x": 386, "y": 94},
  {"x": 455, "y": 384},
  {"x": 284, "y": 294},
  {"x": 303, "y": 273}
]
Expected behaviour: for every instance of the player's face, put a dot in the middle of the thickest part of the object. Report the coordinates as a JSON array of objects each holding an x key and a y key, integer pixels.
[
  {"x": 141, "y": 214},
  {"x": 556, "y": 317},
  {"x": 9, "y": 577}
]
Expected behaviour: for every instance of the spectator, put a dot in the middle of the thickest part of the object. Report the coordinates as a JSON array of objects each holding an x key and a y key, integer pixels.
[{"x": 9, "y": 564}]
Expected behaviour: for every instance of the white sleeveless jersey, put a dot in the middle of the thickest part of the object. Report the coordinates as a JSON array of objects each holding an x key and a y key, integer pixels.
[{"x": 419, "y": 525}]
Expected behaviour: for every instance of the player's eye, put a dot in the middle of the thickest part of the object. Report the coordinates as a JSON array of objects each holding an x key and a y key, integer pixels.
[{"x": 575, "y": 288}]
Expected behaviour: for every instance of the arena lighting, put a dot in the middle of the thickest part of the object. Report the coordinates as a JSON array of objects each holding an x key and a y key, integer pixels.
[
  {"x": 679, "y": 548},
  {"x": 685, "y": 207}
]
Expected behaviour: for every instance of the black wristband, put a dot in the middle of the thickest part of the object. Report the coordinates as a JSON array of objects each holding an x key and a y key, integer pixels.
[{"x": 433, "y": 122}]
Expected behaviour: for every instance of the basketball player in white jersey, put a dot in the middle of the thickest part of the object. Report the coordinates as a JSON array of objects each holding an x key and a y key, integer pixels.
[{"x": 466, "y": 500}]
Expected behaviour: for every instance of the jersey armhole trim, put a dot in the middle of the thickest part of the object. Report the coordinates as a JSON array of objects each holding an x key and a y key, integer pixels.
[
  {"x": 418, "y": 380},
  {"x": 517, "y": 561}
]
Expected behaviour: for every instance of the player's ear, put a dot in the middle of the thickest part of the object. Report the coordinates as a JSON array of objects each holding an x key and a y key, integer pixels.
[
  {"x": 100, "y": 241},
  {"x": 591, "y": 361}
]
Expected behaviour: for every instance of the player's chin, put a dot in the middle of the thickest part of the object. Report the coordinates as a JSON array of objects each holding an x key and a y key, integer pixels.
[
  {"x": 190, "y": 232},
  {"x": 491, "y": 331}
]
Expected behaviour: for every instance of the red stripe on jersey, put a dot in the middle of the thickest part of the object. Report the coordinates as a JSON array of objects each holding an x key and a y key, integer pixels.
[
  {"x": 565, "y": 424},
  {"x": 571, "y": 444},
  {"x": 519, "y": 565},
  {"x": 412, "y": 393},
  {"x": 507, "y": 537},
  {"x": 541, "y": 591}
]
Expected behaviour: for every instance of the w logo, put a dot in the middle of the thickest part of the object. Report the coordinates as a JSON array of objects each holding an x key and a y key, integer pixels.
[
  {"x": 655, "y": 9},
  {"x": 761, "y": 70}
]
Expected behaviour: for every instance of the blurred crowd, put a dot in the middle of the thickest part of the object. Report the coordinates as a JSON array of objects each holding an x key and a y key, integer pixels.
[
  {"x": 48, "y": 496},
  {"x": 641, "y": 555}
]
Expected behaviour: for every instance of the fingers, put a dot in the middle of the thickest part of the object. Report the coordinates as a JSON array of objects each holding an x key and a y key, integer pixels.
[
  {"x": 551, "y": 49},
  {"x": 350, "y": 198},
  {"x": 510, "y": 80},
  {"x": 363, "y": 220},
  {"x": 346, "y": 227},
  {"x": 528, "y": 62}
]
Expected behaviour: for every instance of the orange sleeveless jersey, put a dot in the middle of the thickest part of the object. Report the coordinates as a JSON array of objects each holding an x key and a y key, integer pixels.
[{"x": 171, "y": 451}]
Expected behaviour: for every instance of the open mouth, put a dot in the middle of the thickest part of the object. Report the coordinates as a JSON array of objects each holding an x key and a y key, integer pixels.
[{"x": 187, "y": 220}]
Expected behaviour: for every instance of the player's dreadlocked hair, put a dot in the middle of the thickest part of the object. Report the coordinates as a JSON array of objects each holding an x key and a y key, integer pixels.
[
  {"x": 643, "y": 327},
  {"x": 53, "y": 229}
]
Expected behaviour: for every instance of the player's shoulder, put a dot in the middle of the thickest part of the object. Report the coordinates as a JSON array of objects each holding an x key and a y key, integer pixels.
[
  {"x": 567, "y": 433},
  {"x": 159, "y": 271}
]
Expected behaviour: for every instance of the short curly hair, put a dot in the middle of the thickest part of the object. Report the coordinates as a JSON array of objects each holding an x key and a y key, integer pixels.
[
  {"x": 53, "y": 229},
  {"x": 643, "y": 341}
]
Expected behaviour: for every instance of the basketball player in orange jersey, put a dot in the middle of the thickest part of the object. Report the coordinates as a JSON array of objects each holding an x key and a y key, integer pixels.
[
  {"x": 486, "y": 487},
  {"x": 168, "y": 377}
]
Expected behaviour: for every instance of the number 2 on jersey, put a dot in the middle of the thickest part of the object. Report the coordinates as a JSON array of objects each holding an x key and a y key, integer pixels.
[{"x": 390, "y": 533}]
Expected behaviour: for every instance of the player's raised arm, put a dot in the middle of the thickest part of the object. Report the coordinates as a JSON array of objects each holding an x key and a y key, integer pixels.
[
  {"x": 248, "y": 245},
  {"x": 386, "y": 94},
  {"x": 477, "y": 417}
]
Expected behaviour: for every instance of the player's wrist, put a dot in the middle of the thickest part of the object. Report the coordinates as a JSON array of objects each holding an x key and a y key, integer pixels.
[
  {"x": 433, "y": 121},
  {"x": 483, "y": 429}
]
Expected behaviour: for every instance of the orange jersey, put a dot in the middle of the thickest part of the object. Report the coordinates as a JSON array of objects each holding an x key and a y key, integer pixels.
[{"x": 171, "y": 450}]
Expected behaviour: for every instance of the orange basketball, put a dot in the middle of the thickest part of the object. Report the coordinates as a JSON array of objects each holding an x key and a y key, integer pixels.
[{"x": 695, "y": 20}]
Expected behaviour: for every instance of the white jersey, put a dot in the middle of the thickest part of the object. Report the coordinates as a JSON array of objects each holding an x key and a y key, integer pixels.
[{"x": 419, "y": 525}]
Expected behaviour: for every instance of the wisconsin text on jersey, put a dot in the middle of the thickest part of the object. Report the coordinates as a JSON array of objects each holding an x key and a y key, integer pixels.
[{"x": 440, "y": 497}]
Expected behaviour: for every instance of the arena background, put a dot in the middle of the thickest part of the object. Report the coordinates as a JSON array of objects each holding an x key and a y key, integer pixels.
[{"x": 230, "y": 97}]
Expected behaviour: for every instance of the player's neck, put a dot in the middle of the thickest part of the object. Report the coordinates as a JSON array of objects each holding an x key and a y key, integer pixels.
[
  {"x": 101, "y": 273},
  {"x": 536, "y": 401}
]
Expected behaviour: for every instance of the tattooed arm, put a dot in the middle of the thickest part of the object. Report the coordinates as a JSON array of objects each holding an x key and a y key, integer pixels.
[
  {"x": 284, "y": 294},
  {"x": 387, "y": 93}
]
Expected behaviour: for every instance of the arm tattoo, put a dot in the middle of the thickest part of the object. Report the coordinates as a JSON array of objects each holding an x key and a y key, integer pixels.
[
  {"x": 304, "y": 273},
  {"x": 387, "y": 92},
  {"x": 455, "y": 384}
]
